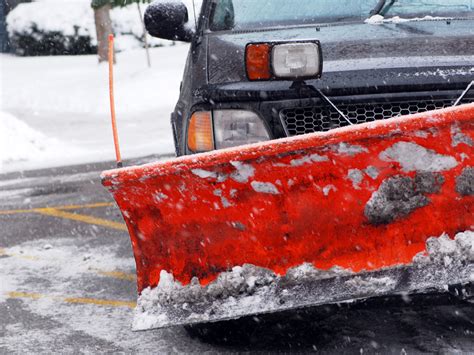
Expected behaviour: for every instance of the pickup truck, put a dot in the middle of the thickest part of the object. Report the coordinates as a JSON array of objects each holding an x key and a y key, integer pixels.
[{"x": 259, "y": 70}]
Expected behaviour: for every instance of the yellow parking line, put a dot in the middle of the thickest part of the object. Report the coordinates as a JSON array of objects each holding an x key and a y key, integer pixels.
[
  {"x": 73, "y": 300},
  {"x": 20, "y": 256},
  {"x": 61, "y": 212},
  {"x": 66, "y": 207},
  {"x": 92, "y": 205},
  {"x": 97, "y": 302},
  {"x": 82, "y": 218},
  {"x": 8, "y": 212},
  {"x": 118, "y": 275},
  {"x": 35, "y": 296}
]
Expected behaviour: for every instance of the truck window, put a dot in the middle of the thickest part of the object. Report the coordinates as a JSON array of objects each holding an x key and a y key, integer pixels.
[{"x": 247, "y": 14}]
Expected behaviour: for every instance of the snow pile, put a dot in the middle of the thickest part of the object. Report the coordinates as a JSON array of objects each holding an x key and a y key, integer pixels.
[
  {"x": 249, "y": 281},
  {"x": 446, "y": 251},
  {"x": 19, "y": 143},
  {"x": 67, "y": 17}
]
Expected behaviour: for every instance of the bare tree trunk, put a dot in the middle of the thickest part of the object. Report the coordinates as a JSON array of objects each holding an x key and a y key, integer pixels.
[
  {"x": 103, "y": 26},
  {"x": 145, "y": 35}
]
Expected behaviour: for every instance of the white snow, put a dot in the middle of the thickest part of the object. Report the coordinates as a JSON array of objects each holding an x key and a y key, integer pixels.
[
  {"x": 356, "y": 176},
  {"x": 158, "y": 197},
  {"x": 76, "y": 17},
  {"x": 20, "y": 143},
  {"x": 58, "y": 260},
  {"x": 414, "y": 157},
  {"x": 443, "y": 73},
  {"x": 247, "y": 280},
  {"x": 375, "y": 19},
  {"x": 372, "y": 172},
  {"x": 446, "y": 250},
  {"x": 65, "y": 270},
  {"x": 265, "y": 187},
  {"x": 55, "y": 110},
  {"x": 309, "y": 159},
  {"x": 372, "y": 283},
  {"x": 459, "y": 137},
  {"x": 327, "y": 189},
  {"x": 348, "y": 149},
  {"x": 14, "y": 193},
  {"x": 379, "y": 19},
  {"x": 67, "y": 17},
  {"x": 204, "y": 174},
  {"x": 243, "y": 171}
]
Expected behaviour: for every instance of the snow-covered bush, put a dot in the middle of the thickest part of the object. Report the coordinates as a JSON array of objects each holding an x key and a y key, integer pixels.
[{"x": 51, "y": 27}]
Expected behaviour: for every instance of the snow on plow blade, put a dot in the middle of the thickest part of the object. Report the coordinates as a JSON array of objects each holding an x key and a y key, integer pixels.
[{"x": 321, "y": 218}]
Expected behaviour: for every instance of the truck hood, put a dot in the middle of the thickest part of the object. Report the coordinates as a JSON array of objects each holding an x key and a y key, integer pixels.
[{"x": 354, "y": 46}]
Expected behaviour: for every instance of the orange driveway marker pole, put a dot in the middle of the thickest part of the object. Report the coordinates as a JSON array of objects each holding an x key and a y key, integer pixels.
[{"x": 112, "y": 101}]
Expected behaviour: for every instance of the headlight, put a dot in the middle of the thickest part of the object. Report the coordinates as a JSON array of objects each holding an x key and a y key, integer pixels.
[
  {"x": 200, "y": 137},
  {"x": 284, "y": 60},
  {"x": 236, "y": 127},
  {"x": 224, "y": 129},
  {"x": 296, "y": 60}
]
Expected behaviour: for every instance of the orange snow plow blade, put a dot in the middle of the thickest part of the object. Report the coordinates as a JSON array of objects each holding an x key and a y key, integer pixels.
[{"x": 304, "y": 221}]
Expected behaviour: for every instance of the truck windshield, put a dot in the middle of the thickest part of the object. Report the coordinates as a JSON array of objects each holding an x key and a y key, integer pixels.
[{"x": 251, "y": 14}]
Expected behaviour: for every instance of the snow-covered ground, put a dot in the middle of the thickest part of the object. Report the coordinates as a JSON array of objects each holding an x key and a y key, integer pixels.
[
  {"x": 55, "y": 110},
  {"x": 60, "y": 267}
]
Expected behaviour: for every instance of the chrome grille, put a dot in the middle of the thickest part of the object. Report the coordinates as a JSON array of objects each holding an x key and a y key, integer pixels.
[{"x": 302, "y": 120}]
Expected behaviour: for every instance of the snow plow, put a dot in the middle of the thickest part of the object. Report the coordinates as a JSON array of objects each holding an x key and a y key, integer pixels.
[{"x": 369, "y": 210}]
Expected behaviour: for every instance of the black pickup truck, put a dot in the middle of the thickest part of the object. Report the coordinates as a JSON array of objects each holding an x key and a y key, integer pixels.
[{"x": 267, "y": 69}]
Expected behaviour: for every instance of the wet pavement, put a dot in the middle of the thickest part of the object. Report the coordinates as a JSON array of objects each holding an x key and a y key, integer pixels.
[{"x": 67, "y": 285}]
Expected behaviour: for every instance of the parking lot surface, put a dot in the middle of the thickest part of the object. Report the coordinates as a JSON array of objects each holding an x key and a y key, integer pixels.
[{"x": 67, "y": 285}]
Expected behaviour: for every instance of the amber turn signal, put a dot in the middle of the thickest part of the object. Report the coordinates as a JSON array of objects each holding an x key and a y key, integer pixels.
[
  {"x": 257, "y": 60},
  {"x": 200, "y": 133}
]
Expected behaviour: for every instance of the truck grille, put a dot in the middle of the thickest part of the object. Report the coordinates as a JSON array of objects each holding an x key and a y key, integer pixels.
[{"x": 302, "y": 120}]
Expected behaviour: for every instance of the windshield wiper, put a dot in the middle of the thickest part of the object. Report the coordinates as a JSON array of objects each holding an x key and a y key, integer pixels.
[
  {"x": 381, "y": 9},
  {"x": 378, "y": 8}
]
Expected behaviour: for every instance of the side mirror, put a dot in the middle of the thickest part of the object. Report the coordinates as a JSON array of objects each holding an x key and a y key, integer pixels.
[{"x": 168, "y": 19}]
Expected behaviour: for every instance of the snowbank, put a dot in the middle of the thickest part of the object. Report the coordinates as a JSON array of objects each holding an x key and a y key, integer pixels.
[
  {"x": 66, "y": 98},
  {"x": 66, "y": 17},
  {"x": 19, "y": 143}
]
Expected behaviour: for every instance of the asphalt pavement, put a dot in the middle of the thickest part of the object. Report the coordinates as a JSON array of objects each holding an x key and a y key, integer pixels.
[{"x": 67, "y": 285}]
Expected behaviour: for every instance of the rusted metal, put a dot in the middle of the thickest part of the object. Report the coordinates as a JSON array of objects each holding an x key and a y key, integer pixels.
[{"x": 362, "y": 198}]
